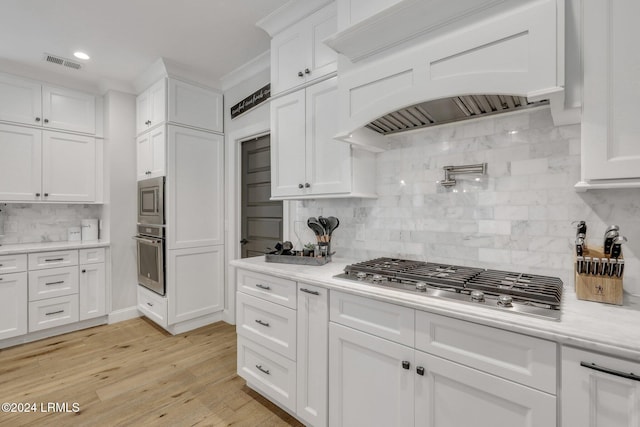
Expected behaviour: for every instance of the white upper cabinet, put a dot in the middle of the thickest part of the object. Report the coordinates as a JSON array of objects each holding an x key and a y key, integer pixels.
[
  {"x": 20, "y": 163},
  {"x": 298, "y": 54},
  {"x": 610, "y": 125},
  {"x": 29, "y": 102},
  {"x": 68, "y": 167},
  {"x": 150, "y": 148},
  {"x": 151, "y": 107},
  {"x": 195, "y": 106},
  {"x": 305, "y": 159}
]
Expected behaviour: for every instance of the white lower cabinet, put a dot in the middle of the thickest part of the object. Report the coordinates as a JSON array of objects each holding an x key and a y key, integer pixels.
[
  {"x": 368, "y": 384},
  {"x": 283, "y": 343},
  {"x": 153, "y": 306},
  {"x": 374, "y": 381},
  {"x": 13, "y": 303},
  {"x": 51, "y": 312},
  {"x": 92, "y": 291},
  {"x": 599, "y": 390}
]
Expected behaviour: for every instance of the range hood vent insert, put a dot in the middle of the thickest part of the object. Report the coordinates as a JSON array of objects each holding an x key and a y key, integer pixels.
[{"x": 449, "y": 110}]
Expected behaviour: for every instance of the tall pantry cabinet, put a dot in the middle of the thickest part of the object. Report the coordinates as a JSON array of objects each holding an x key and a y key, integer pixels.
[{"x": 180, "y": 137}]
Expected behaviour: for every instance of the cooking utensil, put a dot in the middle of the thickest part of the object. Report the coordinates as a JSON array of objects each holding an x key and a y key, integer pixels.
[
  {"x": 610, "y": 234},
  {"x": 581, "y": 228},
  {"x": 616, "y": 246},
  {"x": 580, "y": 244},
  {"x": 333, "y": 223},
  {"x": 317, "y": 228}
]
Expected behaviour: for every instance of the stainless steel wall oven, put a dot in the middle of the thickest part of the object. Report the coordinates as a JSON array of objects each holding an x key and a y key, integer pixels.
[{"x": 150, "y": 249}]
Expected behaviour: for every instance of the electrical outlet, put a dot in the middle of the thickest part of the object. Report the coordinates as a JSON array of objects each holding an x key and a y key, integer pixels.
[{"x": 360, "y": 232}]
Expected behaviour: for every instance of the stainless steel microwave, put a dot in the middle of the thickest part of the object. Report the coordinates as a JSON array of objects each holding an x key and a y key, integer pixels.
[{"x": 151, "y": 201}]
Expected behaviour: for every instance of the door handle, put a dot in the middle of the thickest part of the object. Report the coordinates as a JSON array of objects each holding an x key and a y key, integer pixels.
[{"x": 244, "y": 241}]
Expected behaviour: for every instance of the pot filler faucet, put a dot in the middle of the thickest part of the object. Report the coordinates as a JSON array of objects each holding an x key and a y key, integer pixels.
[{"x": 449, "y": 171}]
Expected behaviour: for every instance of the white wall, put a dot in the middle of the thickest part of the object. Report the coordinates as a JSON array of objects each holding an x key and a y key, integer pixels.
[
  {"x": 120, "y": 211},
  {"x": 519, "y": 217}
]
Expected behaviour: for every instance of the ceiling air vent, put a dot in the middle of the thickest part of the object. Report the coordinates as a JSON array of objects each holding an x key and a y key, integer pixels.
[
  {"x": 448, "y": 110},
  {"x": 61, "y": 61}
]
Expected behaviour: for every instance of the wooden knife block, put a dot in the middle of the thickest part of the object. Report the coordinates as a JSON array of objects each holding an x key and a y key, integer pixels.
[{"x": 598, "y": 288}]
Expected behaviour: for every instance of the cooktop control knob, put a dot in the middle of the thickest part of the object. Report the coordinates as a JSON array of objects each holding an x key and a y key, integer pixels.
[
  {"x": 361, "y": 275},
  {"x": 377, "y": 278},
  {"x": 505, "y": 300},
  {"x": 421, "y": 287},
  {"x": 477, "y": 296}
]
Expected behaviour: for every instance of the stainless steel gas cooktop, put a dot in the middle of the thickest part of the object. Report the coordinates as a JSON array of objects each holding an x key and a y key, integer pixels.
[{"x": 503, "y": 290}]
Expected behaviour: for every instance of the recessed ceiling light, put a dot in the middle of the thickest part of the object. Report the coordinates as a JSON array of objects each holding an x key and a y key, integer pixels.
[{"x": 80, "y": 55}]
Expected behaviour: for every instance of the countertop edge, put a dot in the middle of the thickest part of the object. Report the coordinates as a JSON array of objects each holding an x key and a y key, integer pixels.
[{"x": 23, "y": 248}]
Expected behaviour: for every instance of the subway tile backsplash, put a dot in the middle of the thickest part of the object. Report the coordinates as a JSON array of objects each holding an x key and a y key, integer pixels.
[
  {"x": 518, "y": 217},
  {"x": 34, "y": 223}
]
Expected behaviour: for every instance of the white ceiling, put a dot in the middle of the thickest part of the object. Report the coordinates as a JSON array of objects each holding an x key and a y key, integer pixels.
[{"x": 124, "y": 37}]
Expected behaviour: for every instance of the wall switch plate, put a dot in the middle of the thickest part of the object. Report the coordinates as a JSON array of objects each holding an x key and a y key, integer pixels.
[{"x": 360, "y": 232}]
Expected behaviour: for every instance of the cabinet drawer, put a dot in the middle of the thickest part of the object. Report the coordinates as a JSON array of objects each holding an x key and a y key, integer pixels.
[
  {"x": 153, "y": 306},
  {"x": 381, "y": 319},
  {"x": 523, "y": 359},
  {"x": 13, "y": 263},
  {"x": 40, "y": 260},
  {"x": 270, "y": 373},
  {"x": 53, "y": 282},
  {"x": 274, "y": 289},
  {"x": 90, "y": 256},
  {"x": 268, "y": 324},
  {"x": 53, "y": 312}
]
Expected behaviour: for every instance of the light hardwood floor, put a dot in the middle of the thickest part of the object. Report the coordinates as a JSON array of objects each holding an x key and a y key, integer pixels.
[{"x": 134, "y": 373}]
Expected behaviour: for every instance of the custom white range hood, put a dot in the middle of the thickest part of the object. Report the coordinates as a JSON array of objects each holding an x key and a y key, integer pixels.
[{"x": 463, "y": 59}]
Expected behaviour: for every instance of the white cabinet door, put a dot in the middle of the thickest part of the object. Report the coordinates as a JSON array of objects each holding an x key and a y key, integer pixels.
[
  {"x": 448, "y": 394},
  {"x": 288, "y": 58},
  {"x": 298, "y": 54},
  {"x": 288, "y": 145},
  {"x": 20, "y": 100},
  {"x": 195, "y": 188},
  {"x": 195, "y": 282},
  {"x": 195, "y": 106},
  {"x": 68, "y": 167},
  {"x": 151, "y": 107},
  {"x": 610, "y": 125},
  {"x": 68, "y": 109},
  {"x": 594, "y": 398},
  {"x": 328, "y": 161},
  {"x": 92, "y": 291},
  {"x": 368, "y": 385},
  {"x": 13, "y": 305},
  {"x": 313, "y": 358},
  {"x": 151, "y": 153},
  {"x": 20, "y": 163}
]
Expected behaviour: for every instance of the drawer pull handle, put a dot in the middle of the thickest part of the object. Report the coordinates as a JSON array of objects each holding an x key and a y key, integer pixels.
[
  {"x": 309, "y": 291},
  {"x": 420, "y": 370},
  {"x": 59, "y": 282},
  {"x": 406, "y": 364},
  {"x": 261, "y": 369},
  {"x": 629, "y": 376},
  {"x": 54, "y": 312},
  {"x": 261, "y": 286},
  {"x": 53, "y": 259},
  {"x": 149, "y": 304},
  {"x": 260, "y": 322}
]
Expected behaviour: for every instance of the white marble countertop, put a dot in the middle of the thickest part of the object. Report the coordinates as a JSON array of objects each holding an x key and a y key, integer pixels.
[
  {"x": 590, "y": 325},
  {"x": 22, "y": 248}
]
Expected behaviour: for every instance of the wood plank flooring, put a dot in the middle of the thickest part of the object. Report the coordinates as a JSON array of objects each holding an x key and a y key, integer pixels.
[{"x": 133, "y": 373}]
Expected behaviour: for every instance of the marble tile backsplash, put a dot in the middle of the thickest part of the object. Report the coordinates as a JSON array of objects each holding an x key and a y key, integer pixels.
[
  {"x": 518, "y": 217},
  {"x": 33, "y": 223}
]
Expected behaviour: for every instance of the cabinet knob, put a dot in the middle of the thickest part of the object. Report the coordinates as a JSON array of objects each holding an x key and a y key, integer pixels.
[
  {"x": 300, "y": 74},
  {"x": 46, "y": 120},
  {"x": 307, "y": 71},
  {"x": 148, "y": 122},
  {"x": 406, "y": 364},
  {"x": 300, "y": 186},
  {"x": 420, "y": 370},
  {"x": 37, "y": 194},
  {"x": 37, "y": 119},
  {"x": 307, "y": 185},
  {"x": 84, "y": 271},
  {"x": 46, "y": 194}
]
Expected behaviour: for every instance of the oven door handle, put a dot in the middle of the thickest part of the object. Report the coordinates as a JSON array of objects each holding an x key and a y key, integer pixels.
[{"x": 148, "y": 240}]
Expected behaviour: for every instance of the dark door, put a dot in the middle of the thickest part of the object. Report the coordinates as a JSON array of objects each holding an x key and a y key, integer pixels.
[{"x": 261, "y": 218}]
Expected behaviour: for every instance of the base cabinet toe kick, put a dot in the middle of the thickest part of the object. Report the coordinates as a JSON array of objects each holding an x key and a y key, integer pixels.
[{"x": 331, "y": 358}]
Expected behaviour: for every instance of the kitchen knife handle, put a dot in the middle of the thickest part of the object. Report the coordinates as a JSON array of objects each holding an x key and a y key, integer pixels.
[{"x": 629, "y": 376}]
